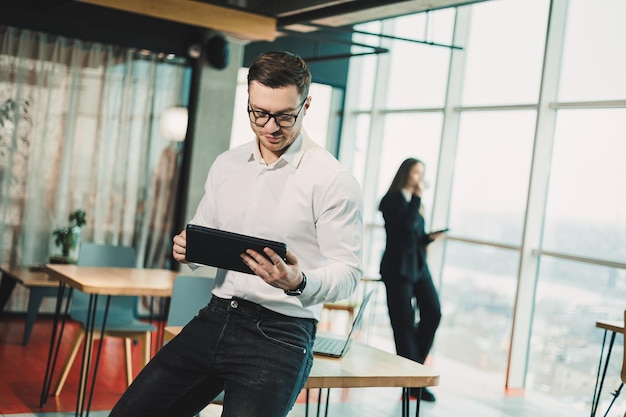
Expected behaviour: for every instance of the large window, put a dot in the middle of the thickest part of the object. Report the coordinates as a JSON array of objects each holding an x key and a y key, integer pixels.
[
  {"x": 565, "y": 345},
  {"x": 418, "y": 72},
  {"x": 523, "y": 135},
  {"x": 594, "y": 57},
  {"x": 477, "y": 294},
  {"x": 491, "y": 175},
  {"x": 504, "y": 52},
  {"x": 586, "y": 210}
]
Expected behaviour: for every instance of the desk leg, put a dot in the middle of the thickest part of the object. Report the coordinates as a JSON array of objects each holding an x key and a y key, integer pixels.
[
  {"x": 327, "y": 401},
  {"x": 417, "y": 403},
  {"x": 600, "y": 382},
  {"x": 95, "y": 368},
  {"x": 319, "y": 402},
  {"x": 405, "y": 402},
  {"x": 306, "y": 407},
  {"x": 53, "y": 353},
  {"x": 83, "y": 384}
]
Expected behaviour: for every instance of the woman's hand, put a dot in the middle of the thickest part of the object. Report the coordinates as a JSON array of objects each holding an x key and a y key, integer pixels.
[{"x": 419, "y": 188}]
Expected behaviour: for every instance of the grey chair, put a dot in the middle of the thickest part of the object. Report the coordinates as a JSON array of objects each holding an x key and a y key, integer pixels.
[{"x": 123, "y": 316}]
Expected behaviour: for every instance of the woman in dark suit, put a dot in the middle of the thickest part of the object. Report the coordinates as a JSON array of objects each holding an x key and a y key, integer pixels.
[{"x": 404, "y": 269}]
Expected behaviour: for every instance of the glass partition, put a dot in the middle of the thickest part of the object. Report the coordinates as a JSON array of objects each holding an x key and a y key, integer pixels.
[
  {"x": 505, "y": 52},
  {"x": 491, "y": 175},
  {"x": 565, "y": 343},
  {"x": 586, "y": 208},
  {"x": 594, "y": 57},
  {"x": 477, "y": 296}
]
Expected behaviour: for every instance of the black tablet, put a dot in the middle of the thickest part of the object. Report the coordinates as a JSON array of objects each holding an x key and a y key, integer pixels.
[{"x": 222, "y": 249}]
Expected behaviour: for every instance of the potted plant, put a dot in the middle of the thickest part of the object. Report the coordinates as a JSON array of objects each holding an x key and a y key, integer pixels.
[{"x": 67, "y": 238}]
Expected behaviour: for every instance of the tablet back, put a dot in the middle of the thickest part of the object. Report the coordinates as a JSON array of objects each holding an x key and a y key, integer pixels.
[{"x": 222, "y": 249}]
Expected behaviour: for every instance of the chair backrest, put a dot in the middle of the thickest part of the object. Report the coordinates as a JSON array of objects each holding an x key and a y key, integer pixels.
[
  {"x": 189, "y": 295},
  {"x": 624, "y": 359},
  {"x": 93, "y": 254}
]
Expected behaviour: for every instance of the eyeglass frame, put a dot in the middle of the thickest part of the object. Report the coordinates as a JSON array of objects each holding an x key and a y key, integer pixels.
[{"x": 274, "y": 116}]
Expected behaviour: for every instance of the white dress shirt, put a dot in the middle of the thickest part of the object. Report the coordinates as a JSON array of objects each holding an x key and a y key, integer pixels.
[{"x": 306, "y": 199}]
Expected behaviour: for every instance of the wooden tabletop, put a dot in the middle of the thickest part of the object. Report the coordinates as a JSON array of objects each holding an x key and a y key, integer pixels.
[
  {"x": 115, "y": 281},
  {"x": 29, "y": 276},
  {"x": 616, "y": 326},
  {"x": 366, "y": 366},
  {"x": 363, "y": 366}
]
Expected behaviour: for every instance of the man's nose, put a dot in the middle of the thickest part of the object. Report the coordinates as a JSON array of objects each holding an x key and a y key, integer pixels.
[{"x": 271, "y": 124}]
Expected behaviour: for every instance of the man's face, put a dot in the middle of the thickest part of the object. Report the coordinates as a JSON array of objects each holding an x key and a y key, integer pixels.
[{"x": 284, "y": 101}]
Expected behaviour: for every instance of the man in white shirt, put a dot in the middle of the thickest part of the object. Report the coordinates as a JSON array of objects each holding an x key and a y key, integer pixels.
[{"x": 254, "y": 340}]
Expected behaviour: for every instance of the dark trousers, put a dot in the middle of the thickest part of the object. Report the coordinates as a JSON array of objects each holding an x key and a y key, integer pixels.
[
  {"x": 405, "y": 299},
  {"x": 261, "y": 359}
]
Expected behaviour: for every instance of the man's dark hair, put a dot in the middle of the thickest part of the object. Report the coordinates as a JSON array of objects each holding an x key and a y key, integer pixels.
[{"x": 281, "y": 69}]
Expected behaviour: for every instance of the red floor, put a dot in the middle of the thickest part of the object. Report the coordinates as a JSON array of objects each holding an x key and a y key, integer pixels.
[{"x": 22, "y": 369}]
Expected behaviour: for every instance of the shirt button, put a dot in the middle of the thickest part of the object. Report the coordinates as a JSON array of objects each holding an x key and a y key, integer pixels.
[{"x": 234, "y": 304}]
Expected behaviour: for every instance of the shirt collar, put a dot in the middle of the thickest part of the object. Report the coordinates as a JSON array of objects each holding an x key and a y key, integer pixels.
[
  {"x": 293, "y": 154},
  {"x": 407, "y": 195}
]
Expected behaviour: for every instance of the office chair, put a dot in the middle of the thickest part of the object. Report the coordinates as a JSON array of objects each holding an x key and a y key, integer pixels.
[{"x": 123, "y": 317}]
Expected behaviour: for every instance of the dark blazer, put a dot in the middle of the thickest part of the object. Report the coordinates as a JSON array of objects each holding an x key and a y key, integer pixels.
[{"x": 404, "y": 258}]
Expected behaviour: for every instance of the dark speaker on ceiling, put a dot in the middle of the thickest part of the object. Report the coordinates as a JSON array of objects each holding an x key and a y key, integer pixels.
[{"x": 217, "y": 52}]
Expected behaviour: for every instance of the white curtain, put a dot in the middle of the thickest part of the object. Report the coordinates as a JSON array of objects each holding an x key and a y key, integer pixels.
[{"x": 79, "y": 130}]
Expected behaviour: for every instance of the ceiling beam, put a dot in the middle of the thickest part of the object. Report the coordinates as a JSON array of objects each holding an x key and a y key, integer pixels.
[
  {"x": 354, "y": 12},
  {"x": 235, "y": 23}
]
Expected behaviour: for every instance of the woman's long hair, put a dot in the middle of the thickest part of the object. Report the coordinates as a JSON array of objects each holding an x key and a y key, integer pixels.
[{"x": 402, "y": 175}]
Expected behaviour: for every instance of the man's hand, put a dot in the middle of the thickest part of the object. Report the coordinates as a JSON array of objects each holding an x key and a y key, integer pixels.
[
  {"x": 280, "y": 273},
  {"x": 179, "y": 249}
]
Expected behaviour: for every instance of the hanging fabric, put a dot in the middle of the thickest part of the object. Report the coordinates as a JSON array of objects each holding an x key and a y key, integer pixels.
[{"x": 79, "y": 129}]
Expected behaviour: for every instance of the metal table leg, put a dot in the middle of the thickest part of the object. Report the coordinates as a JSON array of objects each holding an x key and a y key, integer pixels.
[{"x": 600, "y": 382}]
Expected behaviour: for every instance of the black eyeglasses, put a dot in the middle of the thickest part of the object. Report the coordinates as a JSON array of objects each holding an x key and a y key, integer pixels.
[{"x": 261, "y": 118}]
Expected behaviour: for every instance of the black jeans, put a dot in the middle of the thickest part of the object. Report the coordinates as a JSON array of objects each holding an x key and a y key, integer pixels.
[
  {"x": 413, "y": 341},
  {"x": 260, "y": 358}
]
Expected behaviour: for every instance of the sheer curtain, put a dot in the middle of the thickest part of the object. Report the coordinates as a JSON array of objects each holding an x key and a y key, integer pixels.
[{"x": 79, "y": 130}]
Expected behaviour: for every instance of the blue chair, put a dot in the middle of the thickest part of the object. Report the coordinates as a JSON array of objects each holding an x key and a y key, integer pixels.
[
  {"x": 123, "y": 317},
  {"x": 189, "y": 295}
]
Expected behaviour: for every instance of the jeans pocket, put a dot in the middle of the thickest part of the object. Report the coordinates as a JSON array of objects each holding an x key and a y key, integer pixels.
[{"x": 287, "y": 334}]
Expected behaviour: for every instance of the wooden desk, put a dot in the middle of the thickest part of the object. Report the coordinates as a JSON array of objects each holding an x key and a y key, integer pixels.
[
  {"x": 39, "y": 283},
  {"x": 98, "y": 281},
  {"x": 614, "y": 327},
  {"x": 363, "y": 366}
]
